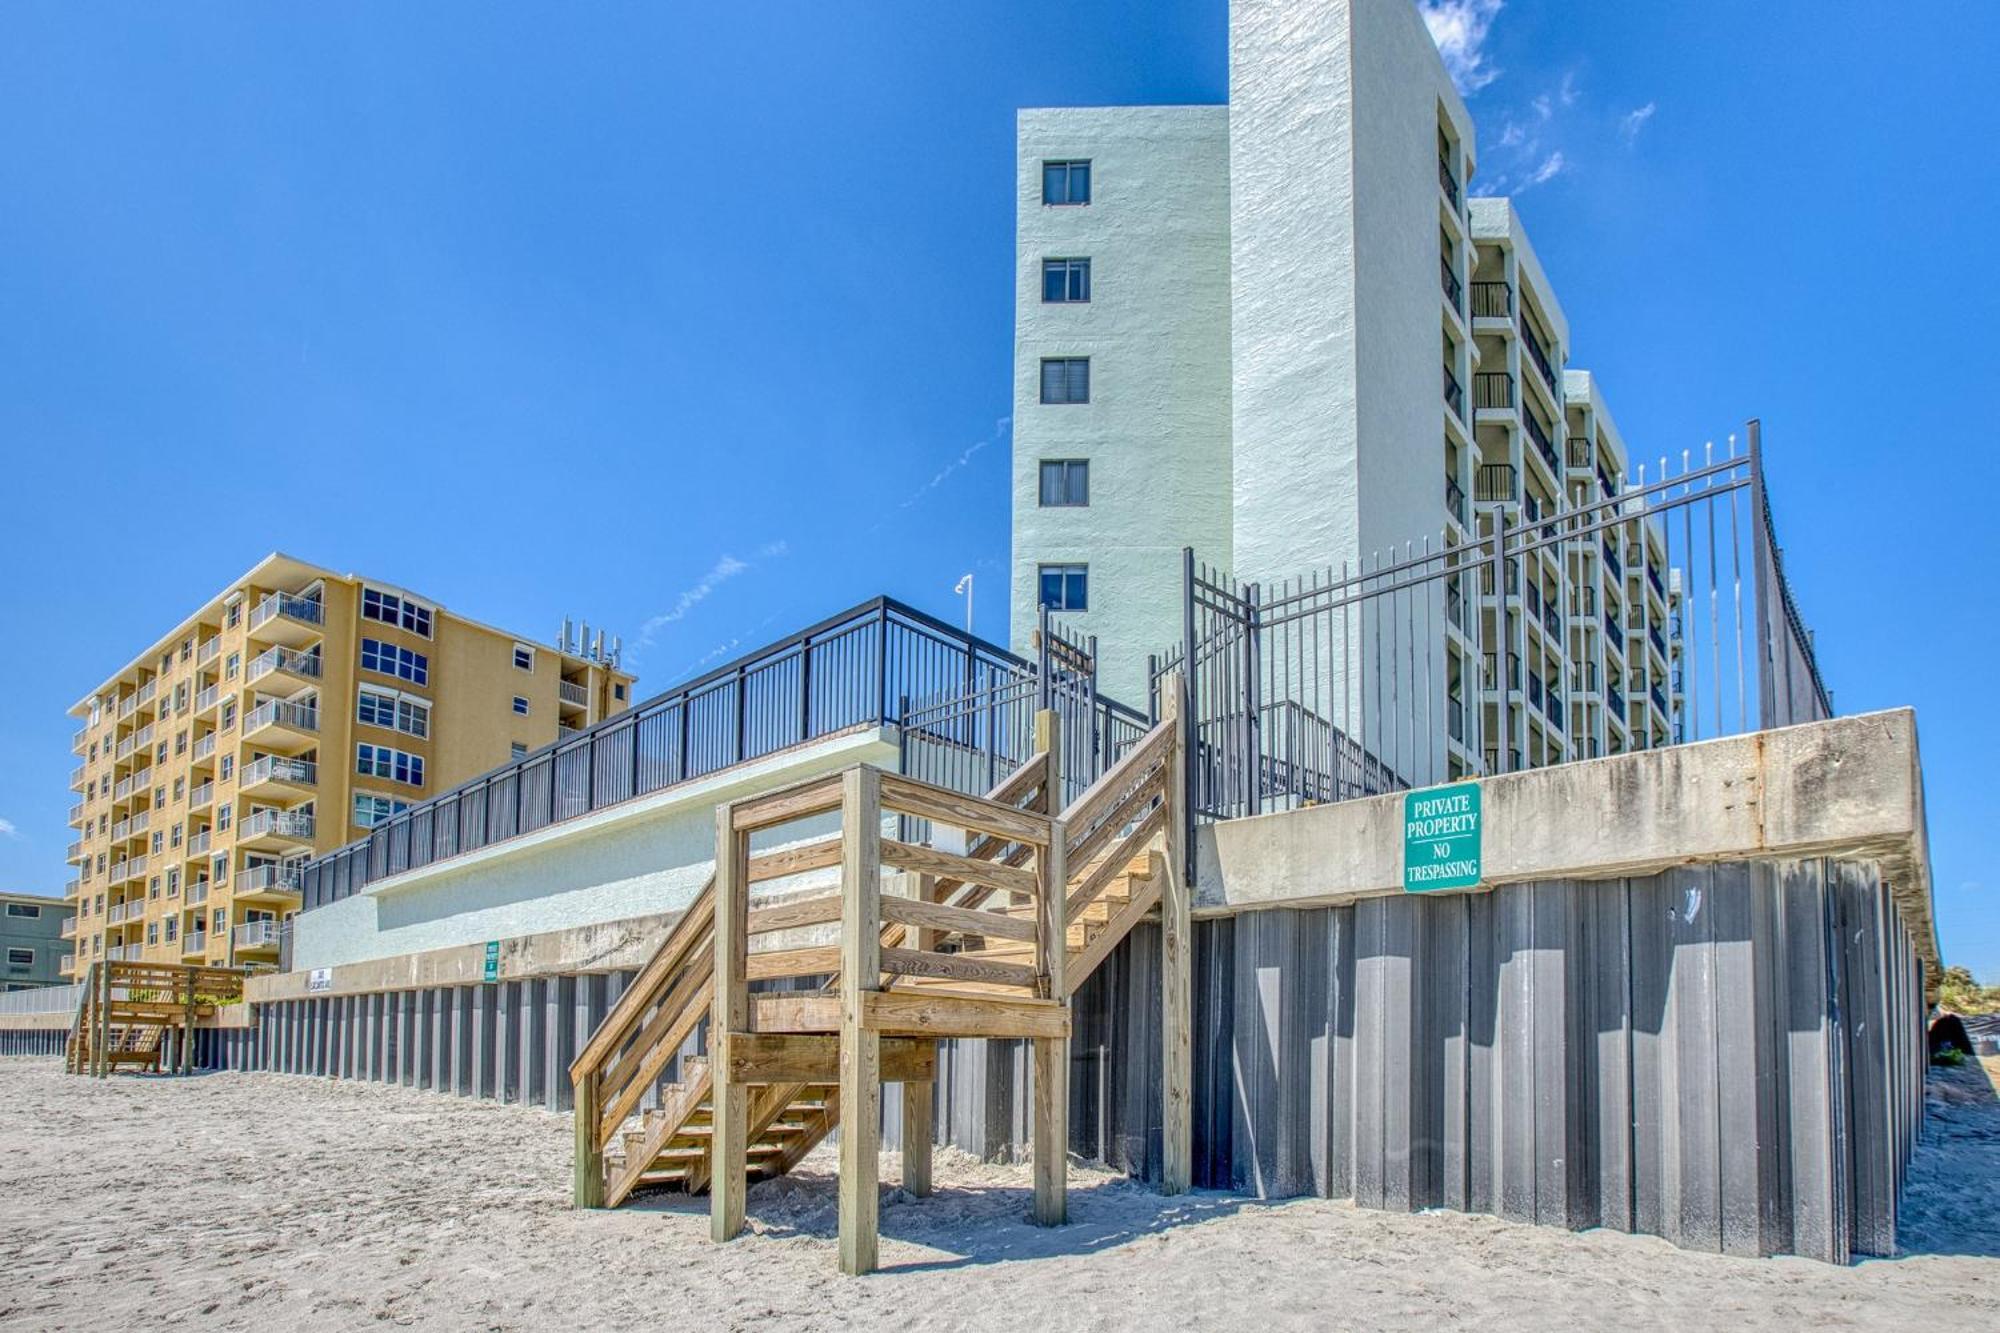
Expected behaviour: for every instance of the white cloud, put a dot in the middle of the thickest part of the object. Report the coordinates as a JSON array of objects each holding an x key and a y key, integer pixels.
[
  {"x": 1552, "y": 167},
  {"x": 725, "y": 568},
  {"x": 7, "y": 829},
  {"x": 1567, "y": 93},
  {"x": 1545, "y": 106},
  {"x": 1459, "y": 28},
  {"x": 1635, "y": 120},
  {"x": 1513, "y": 136},
  {"x": 966, "y": 456}
]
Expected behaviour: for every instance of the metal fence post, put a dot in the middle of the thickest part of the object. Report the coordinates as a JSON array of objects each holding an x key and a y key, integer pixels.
[
  {"x": 1503, "y": 724},
  {"x": 1760, "y": 563},
  {"x": 1252, "y": 701}
]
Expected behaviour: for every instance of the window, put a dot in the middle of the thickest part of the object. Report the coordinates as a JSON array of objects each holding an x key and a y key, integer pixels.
[
  {"x": 401, "y": 612},
  {"x": 228, "y": 715},
  {"x": 524, "y": 657},
  {"x": 520, "y": 705},
  {"x": 380, "y": 708},
  {"x": 218, "y": 869},
  {"x": 29, "y": 910},
  {"x": 228, "y": 767},
  {"x": 618, "y": 692},
  {"x": 388, "y": 660},
  {"x": 1065, "y": 587},
  {"x": 173, "y": 884},
  {"x": 370, "y": 810},
  {"x": 153, "y": 887},
  {"x": 159, "y": 843},
  {"x": 235, "y": 613},
  {"x": 152, "y": 932},
  {"x": 231, "y": 665},
  {"x": 517, "y": 750},
  {"x": 1065, "y": 482},
  {"x": 171, "y": 924},
  {"x": 187, "y": 648},
  {"x": 1066, "y": 182},
  {"x": 1065, "y": 281},
  {"x": 1065, "y": 379},
  {"x": 383, "y": 762},
  {"x": 180, "y": 743},
  {"x": 223, "y": 815},
  {"x": 20, "y": 957},
  {"x": 221, "y": 919}
]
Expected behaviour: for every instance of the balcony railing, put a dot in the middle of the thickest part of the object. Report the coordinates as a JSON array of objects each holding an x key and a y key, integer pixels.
[
  {"x": 257, "y": 935},
  {"x": 1454, "y": 718},
  {"x": 195, "y": 941},
  {"x": 282, "y": 659},
  {"x": 1454, "y": 499},
  {"x": 197, "y": 892},
  {"x": 1539, "y": 355},
  {"x": 1454, "y": 394},
  {"x": 1614, "y": 702},
  {"x": 1543, "y": 445},
  {"x": 75, "y": 851},
  {"x": 79, "y": 740},
  {"x": 277, "y": 604},
  {"x": 1577, "y": 451},
  {"x": 1613, "y": 563},
  {"x": 1605, "y": 484},
  {"x": 1653, "y": 577},
  {"x": 1496, "y": 483},
  {"x": 281, "y": 712},
  {"x": 277, "y": 824},
  {"x": 1492, "y": 300},
  {"x": 1659, "y": 641},
  {"x": 1659, "y": 700},
  {"x": 204, "y": 746},
  {"x": 1493, "y": 389},
  {"x": 270, "y": 878},
  {"x": 1448, "y": 182},
  {"x": 572, "y": 692},
  {"x": 1454, "y": 290},
  {"x": 1612, "y": 631},
  {"x": 69, "y": 928},
  {"x": 198, "y": 844},
  {"x": 1489, "y": 670},
  {"x": 201, "y": 795},
  {"x": 278, "y": 768},
  {"x": 207, "y": 697},
  {"x": 76, "y": 777},
  {"x": 208, "y": 652}
]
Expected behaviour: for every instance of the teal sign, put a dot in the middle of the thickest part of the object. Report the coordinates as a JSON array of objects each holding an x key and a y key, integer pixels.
[
  {"x": 492, "y": 960},
  {"x": 1441, "y": 838}
]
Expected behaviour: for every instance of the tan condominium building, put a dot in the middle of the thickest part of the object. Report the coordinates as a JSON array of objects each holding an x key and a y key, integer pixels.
[{"x": 284, "y": 717}]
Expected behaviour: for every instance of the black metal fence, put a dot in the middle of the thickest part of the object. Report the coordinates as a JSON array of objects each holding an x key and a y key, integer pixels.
[
  {"x": 878, "y": 664},
  {"x": 1597, "y": 620}
]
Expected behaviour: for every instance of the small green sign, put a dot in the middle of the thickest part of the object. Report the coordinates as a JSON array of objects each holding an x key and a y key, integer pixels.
[
  {"x": 1441, "y": 838},
  {"x": 492, "y": 960}
]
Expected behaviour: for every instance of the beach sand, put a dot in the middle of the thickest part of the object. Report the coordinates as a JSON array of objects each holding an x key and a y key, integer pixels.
[{"x": 261, "y": 1201}]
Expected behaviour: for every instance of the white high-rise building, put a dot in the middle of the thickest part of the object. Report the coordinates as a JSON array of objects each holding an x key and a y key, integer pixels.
[{"x": 1281, "y": 332}]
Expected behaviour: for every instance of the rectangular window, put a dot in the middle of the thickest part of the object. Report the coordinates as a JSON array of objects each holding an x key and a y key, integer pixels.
[
  {"x": 520, "y": 705},
  {"x": 381, "y": 761},
  {"x": 235, "y": 612},
  {"x": 370, "y": 810},
  {"x": 517, "y": 750},
  {"x": 223, "y": 815},
  {"x": 221, "y": 918},
  {"x": 1066, "y": 182},
  {"x": 1065, "y": 281},
  {"x": 618, "y": 692},
  {"x": 171, "y": 924},
  {"x": 1065, "y": 587},
  {"x": 1065, "y": 482},
  {"x": 379, "y": 708},
  {"x": 524, "y": 657},
  {"x": 218, "y": 868},
  {"x": 1065, "y": 379},
  {"x": 152, "y": 932},
  {"x": 230, "y": 667},
  {"x": 30, "y": 910},
  {"x": 387, "y": 659},
  {"x": 20, "y": 957},
  {"x": 401, "y": 612}
]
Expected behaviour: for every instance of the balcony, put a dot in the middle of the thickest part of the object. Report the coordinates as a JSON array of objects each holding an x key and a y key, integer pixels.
[
  {"x": 201, "y": 796},
  {"x": 1608, "y": 487},
  {"x": 130, "y": 910},
  {"x": 1448, "y": 182},
  {"x": 279, "y": 723},
  {"x": 67, "y": 966},
  {"x": 299, "y": 668},
  {"x": 198, "y": 845},
  {"x": 276, "y": 830},
  {"x": 76, "y": 780},
  {"x": 1613, "y": 563},
  {"x": 1653, "y": 578},
  {"x": 128, "y": 706},
  {"x": 1489, "y": 674},
  {"x": 76, "y": 813},
  {"x": 204, "y": 748},
  {"x": 1614, "y": 702},
  {"x": 1543, "y": 445},
  {"x": 208, "y": 652},
  {"x": 278, "y": 775},
  {"x": 126, "y": 786},
  {"x": 80, "y": 741},
  {"x": 258, "y": 935},
  {"x": 69, "y": 928},
  {"x": 268, "y": 880},
  {"x": 1496, "y": 483},
  {"x": 1454, "y": 290},
  {"x": 1493, "y": 390},
  {"x": 206, "y": 698},
  {"x": 1659, "y": 699},
  {"x": 195, "y": 941},
  {"x": 1454, "y": 718},
  {"x": 1658, "y": 641},
  {"x": 197, "y": 892},
  {"x": 1492, "y": 300},
  {"x": 1454, "y": 398},
  {"x": 284, "y": 619},
  {"x": 1454, "y": 500},
  {"x": 1612, "y": 631},
  {"x": 75, "y": 853},
  {"x": 1577, "y": 451},
  {"x": 1540, "y": 356},
  {"x": 571, "y": 694},
  {"x": 1583, "y": 678},
  {"x": 71, "y": 889}
]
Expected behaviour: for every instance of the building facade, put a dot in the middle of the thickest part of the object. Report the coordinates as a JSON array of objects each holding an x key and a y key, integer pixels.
[
  {"x": 1262, "y": 331},
  {"x": 285, "y": 717},
  {"x": 35, "y": 941}
]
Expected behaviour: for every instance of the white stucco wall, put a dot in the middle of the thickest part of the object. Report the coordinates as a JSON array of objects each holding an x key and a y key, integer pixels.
[
  {"x": 644, "y": 857},
  {"x": 1156, "y": 431}
]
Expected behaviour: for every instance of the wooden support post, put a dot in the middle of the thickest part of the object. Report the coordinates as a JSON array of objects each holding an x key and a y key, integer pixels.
[
  {"x": 187, "y": 1023},
  {"x": 589, "y": 1157},
  {"x": 104, "y": 1023},
  {"x": 1176, "y": 963},
  {"x": 1051, "y": 1110},
  {"x": 919, "y": 1099},
  {"x": 729, "y": 1013},
  {"x": 860, "y": 1046}
]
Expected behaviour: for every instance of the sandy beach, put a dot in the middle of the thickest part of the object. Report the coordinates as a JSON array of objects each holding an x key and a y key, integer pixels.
[{"x": 241, "y": 1201}]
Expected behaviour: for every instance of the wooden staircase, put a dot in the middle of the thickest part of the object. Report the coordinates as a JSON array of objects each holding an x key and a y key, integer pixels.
[
  {"x": 129, "y": 1007},
  {"x": 968, "y": 951}
]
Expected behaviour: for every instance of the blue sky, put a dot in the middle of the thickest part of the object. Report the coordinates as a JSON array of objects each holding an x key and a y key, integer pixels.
[{"x": 620, "y": 312}]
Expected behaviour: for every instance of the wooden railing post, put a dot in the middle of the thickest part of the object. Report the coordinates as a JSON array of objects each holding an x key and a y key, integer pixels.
[
  {"x": 919, "y": 1096},
  {"x": 860, "y": 1045},
  {"x": 589, "y": 1184},
  {"x": 1051, "y": 1075},
  {"x": 1176, "y": 961},
  {"x": 729, "y": 1014}
]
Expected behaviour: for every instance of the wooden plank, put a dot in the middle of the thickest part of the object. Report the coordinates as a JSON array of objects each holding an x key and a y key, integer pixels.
[
  {"x": 589, "y": 1162},
  {"x": 817, "y": 911},
  {"x": 919, "y": 1013},
  {"x": 814, "y": 796},
  {"x": 1085, "y": 850},
  {"x": 937, "y": 916},
  {"x": 821, "y": 854},
  {"x": 1030, "y": 777},
  {"x": 963, "y": 869},
  {"x": 795, "y": 1013},
  {"x": 860, "y": 1045},
  {"x": 919, "y": 1132},
  {"x": 688, "y": 934},
  {"x": 1176, "y": 957},
  {"x": 1082, "y": 813},
  {"x": 777, "y": 963},
  {"x": 910, "y": 797},
  {"x": 672, "y": 1022},
  {"x": 729, "y": 1014},
  {"x": 959, "y": 967},
  {"x": 807, "y": 1058},
  {"x": 1094, "y": 953},
  {"x": 1051, "y": 1131},
  {"x": 1118, "y": 863},
  {"x": 662, "y": 1127}
]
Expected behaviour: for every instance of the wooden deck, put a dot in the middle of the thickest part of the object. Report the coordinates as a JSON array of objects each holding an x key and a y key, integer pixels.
[{"x": 130, "y": 1009}]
